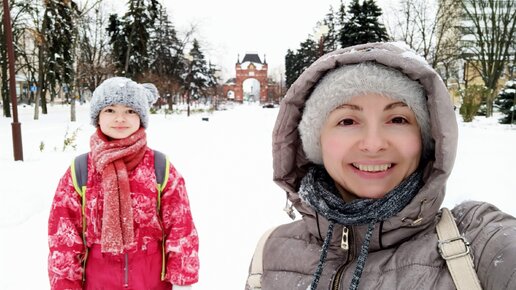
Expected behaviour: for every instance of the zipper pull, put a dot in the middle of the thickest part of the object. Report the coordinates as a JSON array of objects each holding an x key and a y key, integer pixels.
[{"x": 344, "y": 242}]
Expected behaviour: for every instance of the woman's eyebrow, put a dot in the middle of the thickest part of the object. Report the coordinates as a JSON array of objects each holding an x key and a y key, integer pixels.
[
  {"x": 349, "y": 106},
  {"x": 394, "y": 105}
]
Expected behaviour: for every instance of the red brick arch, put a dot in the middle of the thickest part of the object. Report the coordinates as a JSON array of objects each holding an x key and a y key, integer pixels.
[{"x": 251, "y": 67}]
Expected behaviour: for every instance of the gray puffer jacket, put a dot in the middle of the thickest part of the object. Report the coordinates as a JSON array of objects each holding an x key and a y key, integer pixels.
[{"x": 403, "y": 250}]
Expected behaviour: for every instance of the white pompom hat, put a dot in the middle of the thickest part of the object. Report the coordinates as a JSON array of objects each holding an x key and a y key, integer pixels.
[
  {"x": 340, "y": 85},
  {"x": 123, "y": 91}
]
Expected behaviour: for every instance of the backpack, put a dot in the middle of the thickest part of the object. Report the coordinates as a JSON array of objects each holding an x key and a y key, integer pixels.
[{"x": 79, "y": 172}]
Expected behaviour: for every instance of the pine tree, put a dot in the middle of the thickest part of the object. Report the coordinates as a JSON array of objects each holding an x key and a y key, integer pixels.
[
  {"x": 118, "y": 42},
  {"x": 309, "y": 50},
  {"x": 130, "y": 36},
  {"x": 164, "y": 48},
  {"x": 331, "y": 38},
  {"x": 290, "y": 68},
  {"x": 363, "y": 25},
  {"x": 165, "y": 58},
  {"x": 197, "y": 79},
  {"x": 59, "y": 36},
  {"x": 296, "y": 63},
  {"x": 506, "y": 103}
]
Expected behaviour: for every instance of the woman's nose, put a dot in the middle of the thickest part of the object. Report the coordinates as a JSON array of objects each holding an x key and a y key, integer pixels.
[{"x": 373, "y": 140}]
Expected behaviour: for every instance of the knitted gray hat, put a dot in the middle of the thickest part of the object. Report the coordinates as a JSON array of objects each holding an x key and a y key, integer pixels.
[
  {"x": 123, "y": 91},
  {"x": 340, "y": 85}
]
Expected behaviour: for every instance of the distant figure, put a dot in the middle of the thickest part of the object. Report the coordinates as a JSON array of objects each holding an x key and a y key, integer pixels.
[
  {"x": 364, "y": 142},
  {"x": 122, "y": 231}
]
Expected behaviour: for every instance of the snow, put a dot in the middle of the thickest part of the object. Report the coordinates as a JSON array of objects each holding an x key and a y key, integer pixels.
[{"x": 227, "y": 166}]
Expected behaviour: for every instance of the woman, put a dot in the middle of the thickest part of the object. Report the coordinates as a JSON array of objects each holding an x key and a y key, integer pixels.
[{"x": 363, "y": 144}]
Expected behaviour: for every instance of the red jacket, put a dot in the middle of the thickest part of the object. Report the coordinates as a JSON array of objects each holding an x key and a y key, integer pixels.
[{"x": 65, "y": 228}]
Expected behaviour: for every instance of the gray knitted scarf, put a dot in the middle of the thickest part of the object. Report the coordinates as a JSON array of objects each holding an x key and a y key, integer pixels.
[{"x": 318, "y": 190}]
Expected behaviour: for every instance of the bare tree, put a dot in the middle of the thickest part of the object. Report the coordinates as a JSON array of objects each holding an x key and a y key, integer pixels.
[
  {"x": 93, "y": 59},
  {"x": 429, "y": 27},
  {"x": 491, "y": 25}
]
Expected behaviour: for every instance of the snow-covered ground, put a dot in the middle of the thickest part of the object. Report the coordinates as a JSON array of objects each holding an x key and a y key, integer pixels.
[{"x": 227, "y": 166}]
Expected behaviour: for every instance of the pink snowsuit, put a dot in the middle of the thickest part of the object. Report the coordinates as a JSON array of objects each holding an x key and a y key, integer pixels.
[{"x": 140, "y": 266}]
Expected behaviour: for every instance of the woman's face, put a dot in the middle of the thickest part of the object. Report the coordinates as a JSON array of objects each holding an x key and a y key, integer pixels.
[
  {"x": 118, "y": 121},
  {"x": 369, "y": 145}
]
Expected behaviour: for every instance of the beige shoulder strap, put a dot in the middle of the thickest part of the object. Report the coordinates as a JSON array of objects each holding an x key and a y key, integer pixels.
[
  {"x": 254, "y": 280},
  {"x": 455, "y": 249}
]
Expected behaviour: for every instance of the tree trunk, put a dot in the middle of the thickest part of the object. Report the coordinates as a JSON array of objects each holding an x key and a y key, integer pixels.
[{"x": 73, "y": 117}]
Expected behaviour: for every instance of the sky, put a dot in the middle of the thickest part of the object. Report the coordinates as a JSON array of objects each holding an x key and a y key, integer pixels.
[
  {"x": 229, "y": 28},
  {"x": 227, "y": 166}
]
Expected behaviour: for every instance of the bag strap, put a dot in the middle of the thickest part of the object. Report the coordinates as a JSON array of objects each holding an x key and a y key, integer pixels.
[
  {"x": 254, "y": 280},
  {"x": 455, "y": 249},
  {"x": 79, "y": 170},
  {"x": 161, "y": 168}
]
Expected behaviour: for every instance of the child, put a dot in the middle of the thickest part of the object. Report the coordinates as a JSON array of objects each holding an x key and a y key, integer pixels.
[
  {"x": 363, "y": 144},
  {"x": 124, "y": 232}
]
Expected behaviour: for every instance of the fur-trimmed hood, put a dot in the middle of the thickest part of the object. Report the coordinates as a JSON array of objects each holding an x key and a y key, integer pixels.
[{"x": 289, "y": 160}]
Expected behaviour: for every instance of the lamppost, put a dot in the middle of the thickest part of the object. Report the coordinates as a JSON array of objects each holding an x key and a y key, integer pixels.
[
  {"x": 188, "y": 80},
  {"x": 16, "y": 127},
  {"x": 320, "y": 33}
]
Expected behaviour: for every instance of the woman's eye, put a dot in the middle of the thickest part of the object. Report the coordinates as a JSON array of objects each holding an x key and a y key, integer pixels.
[
  {"x": 347, "y": 122},
  {"x": 399, "y": 120}
]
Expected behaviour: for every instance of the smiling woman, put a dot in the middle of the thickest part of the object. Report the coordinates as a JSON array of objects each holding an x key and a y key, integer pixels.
[
  {"x": 370, "y": 139},
  {"x": 364, "y": 142}
]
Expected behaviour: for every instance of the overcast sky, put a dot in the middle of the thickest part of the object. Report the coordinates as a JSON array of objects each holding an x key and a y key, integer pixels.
[{"x": 227, "y": 28}]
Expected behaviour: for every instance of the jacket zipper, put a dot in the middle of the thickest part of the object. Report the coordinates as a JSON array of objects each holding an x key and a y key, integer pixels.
[
  {"x": 344, "y": 244},
  {"x": 126, "y": 270}
]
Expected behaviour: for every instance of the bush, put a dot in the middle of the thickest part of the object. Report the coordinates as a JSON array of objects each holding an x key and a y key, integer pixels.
[{"x": 472, "y": 98}]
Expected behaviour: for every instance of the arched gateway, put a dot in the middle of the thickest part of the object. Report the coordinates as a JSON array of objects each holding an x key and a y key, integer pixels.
[{"x": 251, "y": 67}]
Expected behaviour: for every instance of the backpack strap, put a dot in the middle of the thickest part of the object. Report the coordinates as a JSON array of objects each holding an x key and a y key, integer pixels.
[
  {"x": 79, "y": 172},
  {"x": 79, "y": 169},
  {"x": 162, "y": 171},
  {"x": 254, "y": 280},
  {"x": 455, "y": 249}
]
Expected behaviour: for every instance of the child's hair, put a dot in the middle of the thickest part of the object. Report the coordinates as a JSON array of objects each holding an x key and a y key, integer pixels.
[
  {"x": 123, "y": 91},
  {"x": 346, "y": 82}
]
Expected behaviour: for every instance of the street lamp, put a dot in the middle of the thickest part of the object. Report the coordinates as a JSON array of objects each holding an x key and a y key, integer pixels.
[
  {"x": 16, "y": 127},
  {"x": 188, "y": 81},
  {"x": 321, "y": 31}
]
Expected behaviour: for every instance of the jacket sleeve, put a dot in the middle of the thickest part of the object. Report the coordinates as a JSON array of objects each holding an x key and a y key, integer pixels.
[
  {"x": 182, "y": 242},
  {"x": 65, "y": 237},
  {"x": 493, "y": 239}
]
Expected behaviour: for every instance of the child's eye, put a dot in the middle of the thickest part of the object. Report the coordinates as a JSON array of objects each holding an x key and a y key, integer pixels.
[
  {"x": 347, "y": 122},
  {"x": 399, "y": 120},
  {"x": 131, "y": 111},
  {"x": 108, "y": 110}
]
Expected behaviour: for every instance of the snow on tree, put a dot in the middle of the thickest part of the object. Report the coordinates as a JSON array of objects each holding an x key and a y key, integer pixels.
[
  {"x": 130, "y": 36},
  {"x": 505, "y": 102},
  {"x": 363, "y": 25}
]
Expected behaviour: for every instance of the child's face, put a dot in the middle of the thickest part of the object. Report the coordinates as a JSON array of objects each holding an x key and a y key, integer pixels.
[
  {"x": 369, "y": 145},
  {"x": 118, "y": 121}
]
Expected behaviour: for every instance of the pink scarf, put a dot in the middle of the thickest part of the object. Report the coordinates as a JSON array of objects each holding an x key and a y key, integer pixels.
[{"x": 114, "y": 159}]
